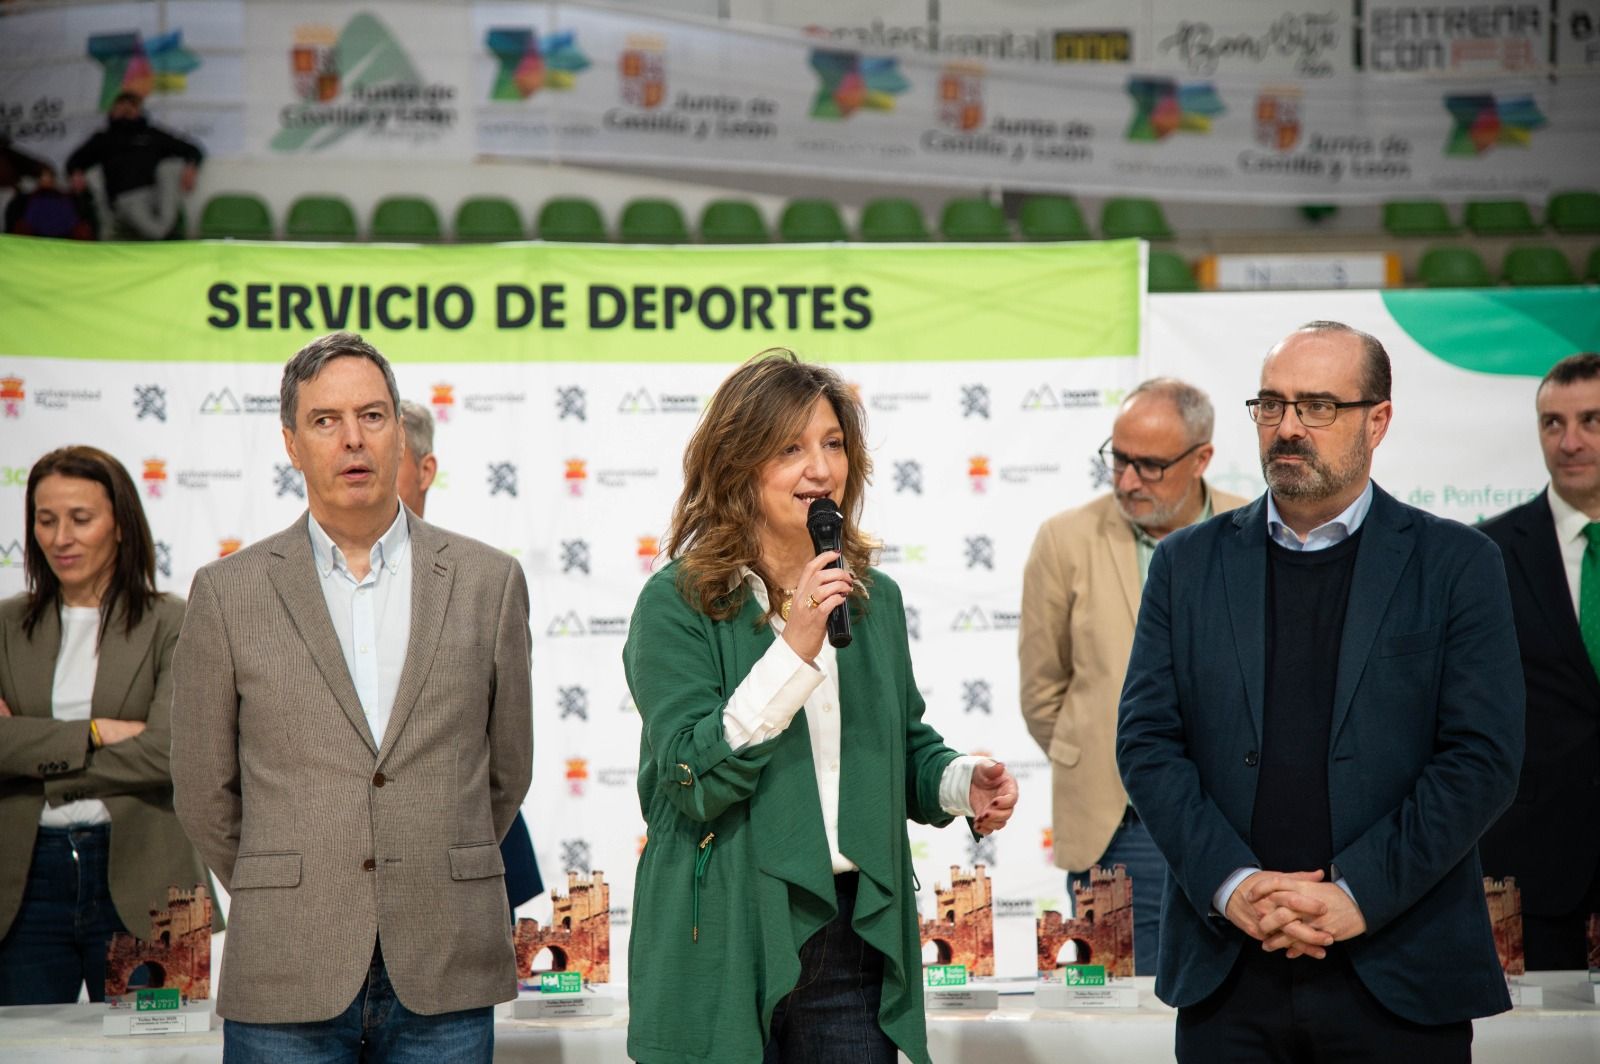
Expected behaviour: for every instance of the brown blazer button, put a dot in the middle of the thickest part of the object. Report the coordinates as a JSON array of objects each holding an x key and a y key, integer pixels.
[
  {"x": 368, "y": 865},
  {"x": 379, "y": 779}
]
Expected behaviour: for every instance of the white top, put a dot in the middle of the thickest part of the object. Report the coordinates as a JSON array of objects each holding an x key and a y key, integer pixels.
[
  {"x": 1322, "y": 537},
  {"x": 372, "y": 617},
  {"x": 778, "y": 686},
  {"x": 70, "y": 696},
  {"x": 1570, "y": 523}
]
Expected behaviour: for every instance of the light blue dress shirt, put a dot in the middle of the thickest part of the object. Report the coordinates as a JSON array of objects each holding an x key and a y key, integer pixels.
[
  {"x": 371, "y": 616},
  {"x": 1322, "y": 537}
]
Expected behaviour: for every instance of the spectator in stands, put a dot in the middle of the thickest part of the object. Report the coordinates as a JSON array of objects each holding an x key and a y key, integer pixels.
[
  {"x": 18, "y": 169},
  {"x": 1552, "y": 551},
  {"x": 47, "y": 211},
  {"x": 417, "y": 469},
  {"x": 90, "y": 840},
  {"x": 1080, "y": 597},
  {"x": 145, "y": 172}
]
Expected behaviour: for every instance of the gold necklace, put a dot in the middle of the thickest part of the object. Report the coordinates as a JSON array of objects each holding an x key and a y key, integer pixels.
[{"x": 788, "y": 603}]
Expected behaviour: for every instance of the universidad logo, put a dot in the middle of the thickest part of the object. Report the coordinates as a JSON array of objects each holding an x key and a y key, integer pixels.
[
  {"x": 850, "y": 81},
  {"x": 443, "y": 399},
  {"x": 529, "y": 63},
  {"x": 13, "y": 395},
  {"x": 129, "y": 63},
  {"x": 1482, "y": 121},
  {"x": 1162, "y": 107}
]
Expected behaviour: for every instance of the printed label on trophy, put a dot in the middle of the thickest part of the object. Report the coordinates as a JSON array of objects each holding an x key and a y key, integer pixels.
[
  {"x": 1083, "y": 975},
  {"x": 936, "y": 975},
  {"x": 560, "y": 983},
  {"x": 158, "y": 1000}
]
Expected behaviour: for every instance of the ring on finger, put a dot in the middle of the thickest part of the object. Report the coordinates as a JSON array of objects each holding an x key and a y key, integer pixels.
[{"x": 811, "y": 601}]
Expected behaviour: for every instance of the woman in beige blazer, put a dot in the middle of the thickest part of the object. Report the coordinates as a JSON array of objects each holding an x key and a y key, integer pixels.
[{"x": 91, "y": 843}]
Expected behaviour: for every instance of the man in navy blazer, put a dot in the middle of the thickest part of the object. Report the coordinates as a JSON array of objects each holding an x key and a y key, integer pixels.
[
  {"x": 1550, "y": 563},
  {"x": 1322, "y": 713}
]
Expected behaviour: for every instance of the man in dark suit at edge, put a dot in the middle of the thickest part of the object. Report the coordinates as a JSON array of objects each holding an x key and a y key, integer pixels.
[
  {"x": 1323, "y": 712},
  {"x": 1552, "y": 551}
]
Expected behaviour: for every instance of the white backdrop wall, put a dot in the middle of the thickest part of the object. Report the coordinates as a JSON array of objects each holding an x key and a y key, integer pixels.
[{"x": 573, "y": 466}]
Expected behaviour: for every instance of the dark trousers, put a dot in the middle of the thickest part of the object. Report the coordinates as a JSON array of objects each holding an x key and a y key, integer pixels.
[
  {"x": 57, "y": 943},
  {"x": 375, "y": 1029},
  {"x": 832, "y": 1013},
  {"x": 1307, "y": 1011},
  {"x": 1132, "y": 846},
  {"x": 1561, "y": 942}
]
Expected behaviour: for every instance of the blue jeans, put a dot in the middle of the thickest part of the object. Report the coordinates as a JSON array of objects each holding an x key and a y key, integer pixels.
[
  {"x": 375, "y": 1029},
  {"x": 58, "y": 940},
  {"x": 832, "y": 1013},
  {"x": 1132, "y": 846}
]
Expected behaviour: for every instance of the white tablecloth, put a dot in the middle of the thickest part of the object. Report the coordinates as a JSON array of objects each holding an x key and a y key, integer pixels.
[{"x": 1565, "y": 1031}]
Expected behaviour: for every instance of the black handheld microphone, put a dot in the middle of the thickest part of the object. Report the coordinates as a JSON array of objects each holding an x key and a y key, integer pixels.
[{"x": 826, "y": 525}]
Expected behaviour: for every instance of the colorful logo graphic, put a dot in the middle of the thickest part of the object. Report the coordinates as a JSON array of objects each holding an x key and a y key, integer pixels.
[
  {"x": 1483, "y": 121},
  {"x": 577, "y": 472},
  {"x": 1162, "y": 107},
  {"x": 649, "y": 547},
  {"x": 978, "y": 473},
  {"x": 154, "y": 476},
  {"x": 365, "y": 66},
  {"x": 13, "y": 395},
  {"x": 228, "y": 546},
  {"x": 961, "y": 96},
  {"x": 643, "y": 69},
  {"x": 1278, "y": 118},
  {"x": 577, "y": 773},
  {"x": 528, "y": 64},
  {"x": 850, "y": 81},
  {"x": 132, "y": 64},
  {"x": 314, "y": 63},
  {"x": 443, "y": 399}
]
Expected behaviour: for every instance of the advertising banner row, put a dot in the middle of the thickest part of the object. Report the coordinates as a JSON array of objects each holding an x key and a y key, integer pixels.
[
  {"x": 990, "y": 377},
  {"x": 1445, "y": 102}
]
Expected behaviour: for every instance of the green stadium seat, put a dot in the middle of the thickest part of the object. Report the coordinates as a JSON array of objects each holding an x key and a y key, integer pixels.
[
  {"x": 236, "y": 217},
  {"x": 1169, "y": 273},
  {"x": 1052, "y": 218},
  {"x": 406, "y": 219},
  {"x": 1453, "y": 267},
  {"x": 893, "y": 220},
  {"x": 1537, "y": 264},
  {"x": 1500, "y": 218},
  {"x": 653, "y": 221},
  {"x": 811, "y": 221},
  {"x": 486, "y": 220},
  {"x": 1133, "y": 216},
  {"x": 1417, "y": 218},
  {"x": 732, "y": 222},
  {"x": 1574, "y": 212},
  {"x": 320, "y": 218},
  {"x": 973, "y": 220},
  {"x": 571, "y": 219},
  {"x": 1591, "y": 272}
]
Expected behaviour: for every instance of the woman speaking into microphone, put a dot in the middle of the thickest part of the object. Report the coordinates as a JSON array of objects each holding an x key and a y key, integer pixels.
[{"x": 774, "y": 918}]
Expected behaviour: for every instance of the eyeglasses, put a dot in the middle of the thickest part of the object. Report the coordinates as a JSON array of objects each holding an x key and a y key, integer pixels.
[
  {"x": 1313, "y": 413},
  {"x": 1150, "y": 470}
]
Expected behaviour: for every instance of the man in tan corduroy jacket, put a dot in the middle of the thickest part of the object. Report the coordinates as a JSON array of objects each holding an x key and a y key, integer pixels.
[{"x": 1080, "y": 598}]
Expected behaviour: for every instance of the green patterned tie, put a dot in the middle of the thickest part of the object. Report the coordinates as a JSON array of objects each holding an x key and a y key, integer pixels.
[{"x": 1589, "y": 595}]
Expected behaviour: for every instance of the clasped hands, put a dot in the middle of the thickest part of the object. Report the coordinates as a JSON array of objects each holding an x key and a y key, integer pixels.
[{"x": 1295, "y": 912}]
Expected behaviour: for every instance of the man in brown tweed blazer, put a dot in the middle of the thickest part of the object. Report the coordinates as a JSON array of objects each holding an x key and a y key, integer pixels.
[{"x": 352, "y": 736}]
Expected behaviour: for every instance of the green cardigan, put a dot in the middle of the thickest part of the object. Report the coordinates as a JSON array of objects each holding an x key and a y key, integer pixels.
[{"x": 704, "y": 989}]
